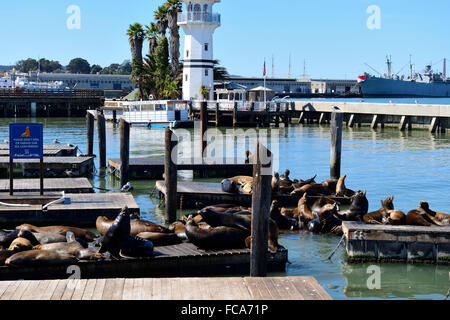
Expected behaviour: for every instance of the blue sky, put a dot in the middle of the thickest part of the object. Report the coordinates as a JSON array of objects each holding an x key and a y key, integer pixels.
[{"x": 332, "y": 36}]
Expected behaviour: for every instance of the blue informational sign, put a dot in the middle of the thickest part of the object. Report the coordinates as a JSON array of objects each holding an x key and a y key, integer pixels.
[{"x": 26, "y": 141}]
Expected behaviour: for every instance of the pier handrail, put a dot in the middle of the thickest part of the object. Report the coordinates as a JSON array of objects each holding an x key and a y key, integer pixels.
[{"x": 49, "y": 93}]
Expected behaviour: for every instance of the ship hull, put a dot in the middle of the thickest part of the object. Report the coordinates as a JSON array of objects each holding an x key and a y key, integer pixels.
[{"x": 378, "y": 87}]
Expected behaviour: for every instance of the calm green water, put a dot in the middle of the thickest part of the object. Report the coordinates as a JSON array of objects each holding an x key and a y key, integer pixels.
[{"x": 412, "y": 166}]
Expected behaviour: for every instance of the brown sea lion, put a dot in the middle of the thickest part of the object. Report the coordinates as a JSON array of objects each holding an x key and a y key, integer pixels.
[
  {"x": 232, "y": 220},
  {"x": 330, "y": 186},
  {"x": 305, "y": 213},
  {"x": 179, "y": 228},
  {"x": 275, "y": 182},
  {"x": 314, "y": 189},
  {"x": 329, "y": 221},
  {"x": 438, "y": 218},
  {"x": 137, "y": 226},
  {"x": 216, "y": 238},
  {"x": 290, "y": 213},
  {"x": 376, "y": 217},
  {"x": 340, "y": 187},
  {"x": 246, "y": 188},
  {"x": 47, "y": 237},
  {"x": 160, "y": 239},
  {"x": 222, "y": 207},
  {"x": 273, "y": 244},
  {"x": 6, "y": 238},
  {"x": 358, "y": 208},
  {"x": 79, "y": 233},
  {"x": 286, "y": 184},
  {"x": 418, "y": 217},
  {"x": 71, "y": 248},
  {"x": 229, "y": 186},
  {"x": 283, "y": 222},
  {"x": 241, "y": 180},
  {"x": 4, "y": 255},
  {"x": 300, "y": 183},
  {"x": 20, "y": 244},
  {"x": 319, "y": 203},
  {"x": 117, "y": 234},
  {"x": 394, "y": 218},
  {"x": 40, "y": 258}
]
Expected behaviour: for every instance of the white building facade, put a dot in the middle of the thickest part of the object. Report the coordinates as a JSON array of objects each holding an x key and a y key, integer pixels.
[{"x": 199, "y": 23}]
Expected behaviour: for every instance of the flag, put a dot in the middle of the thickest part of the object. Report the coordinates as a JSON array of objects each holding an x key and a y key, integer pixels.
[{"x": 264, "y": 69}]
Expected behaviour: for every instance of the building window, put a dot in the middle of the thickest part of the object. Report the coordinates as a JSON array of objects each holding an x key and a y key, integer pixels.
[
  {"x": 186, "y": 77},
  {"x": 206, "y": 72},
  {"x": 206, "y": 47},
  {"x": 187, "y": 53}
]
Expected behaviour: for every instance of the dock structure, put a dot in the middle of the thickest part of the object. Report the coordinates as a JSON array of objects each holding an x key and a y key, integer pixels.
[
  {"x": 53, "y": 166},
  {"x": 82, "y": 209},
  {"x": 189, "y": 193},
  {"x": 411, "y": 244},
  {"x": 404, "y": 116},
  {"x": 68, "y": 185},
  {"x": 188, "y": 289},
  {"x": 153, "y": 168},
  {"x": 184, "y": 259},
  {"x": 50, "y": 150},
  {"x": 49, "y": 103},
  {"x": 245, "y": 114}
]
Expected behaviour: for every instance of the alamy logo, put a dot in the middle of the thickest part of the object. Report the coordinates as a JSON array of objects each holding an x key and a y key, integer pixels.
[
  {"x": 374, "y": 281},
  {"x": 74, "y": 20},
  {"x": 74, "y": 278},
  {"x": 374, "y": 20}
]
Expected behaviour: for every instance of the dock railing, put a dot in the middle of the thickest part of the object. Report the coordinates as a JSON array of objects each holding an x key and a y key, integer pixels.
[{"x": 244, "y": 105}]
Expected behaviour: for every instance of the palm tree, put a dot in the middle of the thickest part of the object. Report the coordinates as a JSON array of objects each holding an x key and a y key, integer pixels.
[
  {"x": 151, "y": 34},
  {"x": 173, "y": 8},
  {"x": 161, "y": 19},
  {"x": 136, "y": 37}
]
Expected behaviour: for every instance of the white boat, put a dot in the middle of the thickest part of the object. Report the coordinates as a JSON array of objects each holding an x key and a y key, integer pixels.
[{"x": 153, "y": 114}]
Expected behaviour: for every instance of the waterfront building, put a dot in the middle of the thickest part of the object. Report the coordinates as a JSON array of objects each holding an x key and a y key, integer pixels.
[{"x": 199, "y": 23}]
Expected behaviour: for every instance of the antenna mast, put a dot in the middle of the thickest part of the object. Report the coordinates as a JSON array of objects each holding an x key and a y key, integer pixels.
[
  {"x": 411, "y": 65},
  {"x": 273, "y": 72},
  {"x": 389, "y": 65}
]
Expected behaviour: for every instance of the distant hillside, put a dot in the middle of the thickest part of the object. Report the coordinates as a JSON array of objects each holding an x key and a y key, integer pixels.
[{"x": 3, "y": 68}]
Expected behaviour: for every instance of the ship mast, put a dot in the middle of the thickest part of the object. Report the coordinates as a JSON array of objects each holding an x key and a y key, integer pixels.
[
  {"x": 411, "y": 66},
  {"x": 389, "y": 65}
]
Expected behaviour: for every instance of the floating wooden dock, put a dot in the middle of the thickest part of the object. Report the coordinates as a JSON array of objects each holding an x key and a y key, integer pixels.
[
  {"x": 50, "y": 150},
  {"x": 83, "y": 209},
  {"x": 54, "y": 166},
  {"x": 189, "y": 193},
  {"x": 188, "y": 289},
  {"x": 68, "y": 185},
  {"x": 153, "y": 168},
  {"x": 411, "y": 244},
  {"x": 178, "y": 260}
]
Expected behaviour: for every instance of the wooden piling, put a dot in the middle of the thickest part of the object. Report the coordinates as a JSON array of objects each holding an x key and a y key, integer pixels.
[
  {"x": 170, "y": 175},
  {"x": 90, "y": 133},
  {"x": 351, "y": 121},
  {"x": 101, "y": 140},
  {"x": 124, "y": 151},
  {"x": 203, "y": 124},
  {"x": 235, "y": 115},
  {"x": 114, "y": 116},
  {"x": 336, "y": 144},
  {"x": 217, "y": 114},
  {"x": 261, "y": 200},
  {"x": 434, "y": 125},
  {"x": 405, "y": 122},
  {"x": 375, "y": 120},
  {"x": 301, "y": 119},
  {"x": 277, "y": 116}
]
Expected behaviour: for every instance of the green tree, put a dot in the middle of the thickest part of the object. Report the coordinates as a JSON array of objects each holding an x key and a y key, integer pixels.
[
  {"x": 96, "y": 69},
  {"x": 27, "y": 65},
  {"x": 152, "y": 35},
  {"x": 79, "y": 65},
  {"x": 220, "y": 73},
  {"x": 49, "y": 65},
  {"x": 173, "y": 8},
  {"x": 204, "y": 92},
  {"x": 161, "y": 19},
  {"x": 125, "y": 68},
  {"x": 136, "y": 36}
]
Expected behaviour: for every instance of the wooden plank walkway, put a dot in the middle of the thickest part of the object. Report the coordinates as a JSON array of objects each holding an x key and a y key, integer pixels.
[
  {"x": 211, "y": 194},
  {"x": 78, "y": 166},
  {"x": 68, "y": 185},
  {"x": 153, "y": 168},
  {"x": 237, "y": 289},
  {"x": 50, "y": 150},
  {"x": 181, "y": 260},
  {"x": 412, "y": 244},
  {"x": 83, "y": 210}
]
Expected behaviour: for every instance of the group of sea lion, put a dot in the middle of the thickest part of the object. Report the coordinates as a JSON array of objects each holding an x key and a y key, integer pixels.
[
  {"x": 423, "y": 216},
  {"x": 284, "y": 185}
]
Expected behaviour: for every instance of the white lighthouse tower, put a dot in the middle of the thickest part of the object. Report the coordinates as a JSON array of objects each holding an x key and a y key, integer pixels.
[{"x": 199, "y": 23}]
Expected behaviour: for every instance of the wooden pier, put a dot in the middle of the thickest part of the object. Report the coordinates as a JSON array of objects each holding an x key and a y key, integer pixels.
[
  {"x": 55, "y": 150},
  {"x": 170, "y": 261},
  {"x": 153, "y": 168},
  {"x": 436, "y": 118},
  {"x": 68, "y": 185},
  {"x": 189, "y": 193},
  {"x": 411, "y": 244},
  {"x": 188, "y": 289},
  {"x": 54, "y": 166},
  {"x": 83, "y": 209}
]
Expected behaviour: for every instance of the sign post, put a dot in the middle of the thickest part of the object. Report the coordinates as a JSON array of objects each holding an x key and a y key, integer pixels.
[{"x": 26, "y": 142}]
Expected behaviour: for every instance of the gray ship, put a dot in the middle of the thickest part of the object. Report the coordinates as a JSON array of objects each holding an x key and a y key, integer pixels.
[{"x": 424, "y": 84}]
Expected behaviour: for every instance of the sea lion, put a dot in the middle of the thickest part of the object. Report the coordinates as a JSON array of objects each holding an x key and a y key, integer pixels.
[
  {"x": 6, "y": 238},
  {"x": 313, "y": 189},
  {"x": 117, "y": 233},
  {"x": 242, "y": 180},
  {"x": 305, "y": 213},
  {"x": 394, "y": 218},
  {"x": 79, "y": 233},
  {"x": 275, "y": 182},
  {"x": 314, "y": 226},
  {"x": 290, "y": 213},
  {"x": 418, "y": 217},
  {"x": 40, "y": 258},
  {"x": 286, "y": 184},
  {"x": 136, "y": 226},
  {"x": 438, "y": 218},
  {"x": 229, "y": 208},
  {"x": 179, "y": 228},
  {"x": 330, "y": 186},
  {"x": 273, "y": 244},
  {"x": 376, "y": 217},
  {"x": 232, "y": 220},
  {"x": 340, "y": 187},
  {"x": 328, "y": 220},
  {"x": 216, "y": 238},
  {"x": 136, "y": 247},
  {"x": 4, "y": 255},
  {"x": 229, "y": 186},
  {"x": 246, "y": 188},
  {"x": 70, "y": 248},
  {"x": 47, "y": 237},
  {"x": 319, "y": 203},
  {"x": 160, "y": 239},
  {"x": 20, "y": 244},
  {"x": 358, "y": 208},
  {"x": 283, "y": 222}
]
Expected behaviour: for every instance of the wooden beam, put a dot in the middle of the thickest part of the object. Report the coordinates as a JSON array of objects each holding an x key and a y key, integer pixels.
[
  {"x": 101, "y": 126},
  {"x": 170, "y": 175},
  {"x": 375, "y": 120},
  {"x": 261, "y": 199},
  {"x": 405, "y": 123},
  {"x": 124, "y": 151},
  {"x": 351, "y": 121},
  {"x": 336, "y": 145},
  {"x": 90, "y": 133},
  {"x": 203, "y": 124},
  {"x": 302, "y": 117}
]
